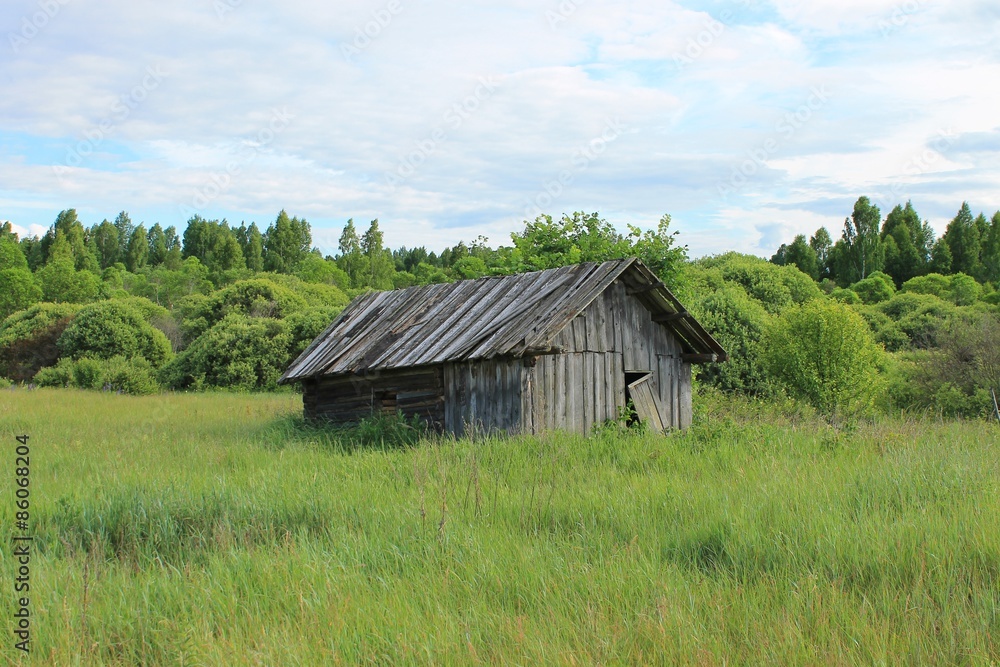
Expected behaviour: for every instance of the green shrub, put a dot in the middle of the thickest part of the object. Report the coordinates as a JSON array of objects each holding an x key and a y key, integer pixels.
[
  {"x": 824, "y": 353},
  {"x": 774, "y": 287},
  {"x": 60, "y": 375},
  {"x": 259, "y": 297},
  {"x": 239, "y": 352},
  {"x": 28, "y": 339},
  {"x": 844, "y": 295},
  {"x": 738, "y": 323},
  {"x": 932, "y": 283},
  {"x": 921, "y": 317},
  {"x": 126, "y": 376},
  {"x": 114, "y": 328},
  {"x": 304, "y": 326},
  {"x": 886, "y": 330},
  {"x": 876, "y": 288}
]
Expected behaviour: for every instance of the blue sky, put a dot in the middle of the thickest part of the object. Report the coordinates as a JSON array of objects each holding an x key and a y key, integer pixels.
[{"x": 747, "y": 121}]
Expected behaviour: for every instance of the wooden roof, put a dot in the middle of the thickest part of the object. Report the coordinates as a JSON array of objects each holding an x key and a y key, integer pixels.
[{"x": 499, "y": 316}]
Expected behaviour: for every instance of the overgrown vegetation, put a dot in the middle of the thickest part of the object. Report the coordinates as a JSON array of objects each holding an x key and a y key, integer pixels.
[
  {"x": 218, "y": 529},
  {"x": 236, "y": 304}
]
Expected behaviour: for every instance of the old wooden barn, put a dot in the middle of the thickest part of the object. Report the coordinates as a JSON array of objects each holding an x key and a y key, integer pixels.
[{"x": 563, "y": 349}]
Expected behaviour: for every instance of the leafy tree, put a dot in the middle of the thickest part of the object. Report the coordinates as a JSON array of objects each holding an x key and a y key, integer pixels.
[
  {"x": 657, "y": 249},
  {"x": 214, "y": 244},
  {"x": 61, "y": 282},
  {"x": 821, "y": 243},
  {"x": 863, "y": 250},
  {"x": 252, "y": 244},
  {"x": 469, "y": 267},
  {"x": 823, "y": 352},
  {"x": 351, "y": 260},
  {"x": 991, "y": 251},
  {"x": 11, "y": 256},
  {"x": 138, "y": 250},
  {"x": 801, "y": 255},
  {"x": 258, "y": 297},
  {"x": 287, "y": 241},
  {"x": 17, "y": 289},
  {"x": 965, "y": 244},
  {"x": 908, "y": 243},
  {"x": 315, "y": 269},
  {"x": 68, "y": 227},
  {"x": 379, "y": 266},
  {"x": 123, "y": 224},
  {"x": 7, "y": 232},
  {"x": 105, "y": 240},
  {"x": 156, "y": 239}
]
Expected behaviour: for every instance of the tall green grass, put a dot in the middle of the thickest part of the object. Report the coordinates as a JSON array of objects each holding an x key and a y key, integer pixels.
[{"x": 218, "y": 529}]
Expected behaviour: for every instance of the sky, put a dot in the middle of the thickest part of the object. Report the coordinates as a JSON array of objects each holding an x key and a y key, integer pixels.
[{"x": 748, "y": 121}]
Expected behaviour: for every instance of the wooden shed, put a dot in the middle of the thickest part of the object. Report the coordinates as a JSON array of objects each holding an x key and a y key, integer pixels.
[{"x": 560, "y": 349}]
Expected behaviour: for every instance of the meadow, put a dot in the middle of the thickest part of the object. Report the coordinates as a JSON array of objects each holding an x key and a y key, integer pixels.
[{"x": 217, "y": 529}]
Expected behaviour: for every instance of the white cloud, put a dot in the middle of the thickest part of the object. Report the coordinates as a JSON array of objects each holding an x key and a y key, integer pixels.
[{"x": 477, "y": 167}]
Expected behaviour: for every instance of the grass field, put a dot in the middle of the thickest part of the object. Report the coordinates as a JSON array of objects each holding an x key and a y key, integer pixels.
[{"x": 214, "y": 529}]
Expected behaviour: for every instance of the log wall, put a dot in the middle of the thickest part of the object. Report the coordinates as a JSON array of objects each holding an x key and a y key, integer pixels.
[{"x": 350, "y": 398}]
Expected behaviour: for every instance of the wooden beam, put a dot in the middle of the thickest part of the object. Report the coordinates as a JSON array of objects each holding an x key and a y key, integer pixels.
[
  {"x": 646, "y": 288},
  {"x": 671, "y": 317},
  {"x": 700, "y": 358},
  {"x": 541, "y": 351}
]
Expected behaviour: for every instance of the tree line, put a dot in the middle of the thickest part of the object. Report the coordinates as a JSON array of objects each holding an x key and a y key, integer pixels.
[
  {"x": 117, "y": 306},
  {"x": 902, "y": 246}
]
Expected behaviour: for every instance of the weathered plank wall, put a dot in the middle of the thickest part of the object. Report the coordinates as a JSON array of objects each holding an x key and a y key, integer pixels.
[
  {"x": 617, "y": 332},
  {"x": 573, "y": 391},
  {"x": 348, "y": 398},
  {"x": 483, "y": 396}
]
